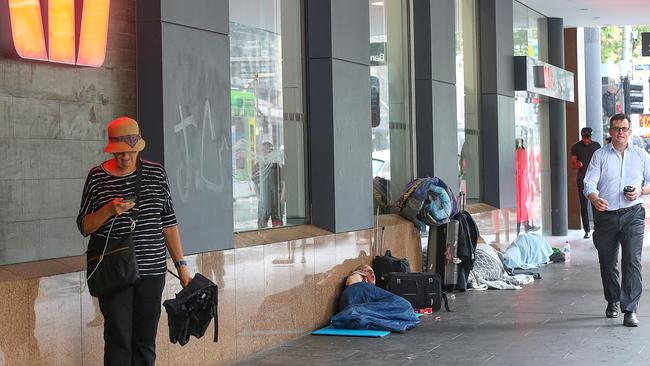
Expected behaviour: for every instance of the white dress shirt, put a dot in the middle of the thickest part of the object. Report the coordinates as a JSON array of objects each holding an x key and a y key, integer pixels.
[{"x": 609, "y": 172}]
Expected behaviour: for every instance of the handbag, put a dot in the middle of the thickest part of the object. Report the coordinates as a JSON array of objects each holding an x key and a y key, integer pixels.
[
  {"x": 190, "y": 312},
  {"x": 113, "y": 261}
]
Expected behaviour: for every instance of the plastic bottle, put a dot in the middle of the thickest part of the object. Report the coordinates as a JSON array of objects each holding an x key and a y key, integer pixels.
[{"x": 567, "y": 251}]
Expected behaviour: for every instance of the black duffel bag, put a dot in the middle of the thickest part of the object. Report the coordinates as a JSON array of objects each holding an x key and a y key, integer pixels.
[{"x": 383, "y": 264}]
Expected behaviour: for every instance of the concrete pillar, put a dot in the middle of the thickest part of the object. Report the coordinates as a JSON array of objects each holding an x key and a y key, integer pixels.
[
  {"x": 183, "y": 78},
  {"x": 435, "y": 90},
  {"x": 340, "y": 144},
  {"x": 558, "y": 151},
  {"x": 497, "y": 103},
  {"x": 593, "y": 83}
]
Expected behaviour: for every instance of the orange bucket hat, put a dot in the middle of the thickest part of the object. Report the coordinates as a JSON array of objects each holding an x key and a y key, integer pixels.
[{"x": 123, "y": 136}]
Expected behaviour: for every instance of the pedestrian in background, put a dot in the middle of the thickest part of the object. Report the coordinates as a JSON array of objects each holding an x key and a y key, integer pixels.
[{"x": 581, "y": 153}]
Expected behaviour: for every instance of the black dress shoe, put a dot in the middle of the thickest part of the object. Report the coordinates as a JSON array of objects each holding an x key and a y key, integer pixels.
[
  {"x": 612, "y": 310},
  {"x": 586, "y": 235},
  {"x": 630, "y": 320}
]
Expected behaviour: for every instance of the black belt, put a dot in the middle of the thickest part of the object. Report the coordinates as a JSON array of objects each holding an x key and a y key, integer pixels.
[{"x": 621, "y": 211}]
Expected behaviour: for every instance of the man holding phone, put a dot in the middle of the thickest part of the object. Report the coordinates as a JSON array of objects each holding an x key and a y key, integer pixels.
[{"x": 618, "y": 174}]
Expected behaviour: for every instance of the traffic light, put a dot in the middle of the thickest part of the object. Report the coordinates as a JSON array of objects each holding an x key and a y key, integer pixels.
[
  {"x": 375, "y": 106},
  {"x": 636, "y": 97},
  {"x": 609, "y": 103}
]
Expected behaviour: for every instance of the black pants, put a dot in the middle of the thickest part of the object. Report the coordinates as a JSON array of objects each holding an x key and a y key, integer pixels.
[
  {"x": 131, "y": 321},
  {"x": 625, "y": 228},
  {"x": 584, "y": 206}
]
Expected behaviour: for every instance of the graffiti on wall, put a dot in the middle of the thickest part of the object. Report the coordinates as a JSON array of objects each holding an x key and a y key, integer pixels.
[{"x": 184, "y": 176}]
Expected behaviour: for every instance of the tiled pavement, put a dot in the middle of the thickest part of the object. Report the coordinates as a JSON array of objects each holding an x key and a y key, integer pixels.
[{"x": 558, "y": 320}]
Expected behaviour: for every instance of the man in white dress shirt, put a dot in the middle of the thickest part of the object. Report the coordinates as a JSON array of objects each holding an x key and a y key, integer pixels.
[{"x": 619, "y": 216}]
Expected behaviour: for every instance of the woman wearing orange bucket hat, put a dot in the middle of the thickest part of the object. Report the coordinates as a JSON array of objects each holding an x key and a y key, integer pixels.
[{"x": 125, "y": 196}]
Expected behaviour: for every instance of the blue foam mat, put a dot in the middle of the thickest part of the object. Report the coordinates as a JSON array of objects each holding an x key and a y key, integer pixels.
[{"x": 328, "y": 330}]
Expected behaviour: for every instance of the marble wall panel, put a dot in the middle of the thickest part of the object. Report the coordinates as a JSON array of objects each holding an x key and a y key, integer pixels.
[
  {"x": 56, "y": 323},
  {"x": 402, "y": 240},
  {"x": 326, "y": 278},
  {"x": 275, "y": 317},
  {"x": 303, "y": 280},
  {"x": 249, "y": 297},
  {"x": 220, "y": 268},
  {"x": 17, "y": 339},
  {"x": 268, "y": 294},
  {"x": 92, "y": 328}
]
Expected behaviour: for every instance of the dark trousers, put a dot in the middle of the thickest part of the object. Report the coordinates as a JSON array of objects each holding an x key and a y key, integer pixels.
[
  {"x": 584, "y": 206},
  {"x": 131, "y": 321},
  {"x": 625, "y": 228}
]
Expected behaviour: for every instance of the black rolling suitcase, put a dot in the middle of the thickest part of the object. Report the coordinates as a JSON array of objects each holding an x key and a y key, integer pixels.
[
  {"x": 442, "y": 253},
  {"x": 421, "y": 289}
]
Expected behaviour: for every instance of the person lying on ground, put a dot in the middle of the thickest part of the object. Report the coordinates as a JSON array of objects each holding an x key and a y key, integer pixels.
[
  {"x": 363, "y": 273},
  {"x": 366, "y": 306}
]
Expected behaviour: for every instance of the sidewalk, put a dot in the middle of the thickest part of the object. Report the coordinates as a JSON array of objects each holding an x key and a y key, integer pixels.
[{"x": 558, "y": 320}]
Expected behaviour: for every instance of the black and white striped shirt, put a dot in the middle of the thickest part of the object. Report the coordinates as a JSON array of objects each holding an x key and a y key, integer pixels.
[{"x": 156, "y": 212}]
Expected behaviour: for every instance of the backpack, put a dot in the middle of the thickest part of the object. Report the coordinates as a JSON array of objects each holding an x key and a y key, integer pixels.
[{"x": 383, "y": 264}]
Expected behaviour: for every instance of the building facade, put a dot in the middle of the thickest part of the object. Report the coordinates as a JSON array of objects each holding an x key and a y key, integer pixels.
[{"x": 288, "y": 129}]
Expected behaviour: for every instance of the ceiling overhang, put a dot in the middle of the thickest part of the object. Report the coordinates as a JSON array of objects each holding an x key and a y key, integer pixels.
[{"x": 593, "y": 13}]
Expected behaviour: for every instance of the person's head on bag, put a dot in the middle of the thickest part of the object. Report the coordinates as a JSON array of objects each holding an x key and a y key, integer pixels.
[{"x": 124, "y": 142}]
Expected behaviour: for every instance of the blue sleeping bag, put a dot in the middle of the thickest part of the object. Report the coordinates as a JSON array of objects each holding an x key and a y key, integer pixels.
[
  {"x": 527, "y": 251},
  {"x": 366, "y": 306}
]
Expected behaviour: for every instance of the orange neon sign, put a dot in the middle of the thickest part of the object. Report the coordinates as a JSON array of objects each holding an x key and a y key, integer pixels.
[{"x": 29, "y": 34}]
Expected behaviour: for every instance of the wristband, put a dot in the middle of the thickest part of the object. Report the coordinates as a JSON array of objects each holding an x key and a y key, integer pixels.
[{"x": 180, "y": 263}]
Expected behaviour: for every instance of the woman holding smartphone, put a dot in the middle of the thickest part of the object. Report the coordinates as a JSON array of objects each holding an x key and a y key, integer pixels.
[{"x": 131, "y": 314}]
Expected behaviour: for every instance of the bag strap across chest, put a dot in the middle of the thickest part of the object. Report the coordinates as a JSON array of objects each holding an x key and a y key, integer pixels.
[{"x": 138, "y": 183}]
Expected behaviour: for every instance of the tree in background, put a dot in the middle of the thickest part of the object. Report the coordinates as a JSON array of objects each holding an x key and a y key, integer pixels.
[{"x": 611, "y": 42}]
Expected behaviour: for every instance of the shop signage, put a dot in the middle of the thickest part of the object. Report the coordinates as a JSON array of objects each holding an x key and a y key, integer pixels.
[
  {"x": 377, "y": 53},
  {"x": 642, "y": 67},
  {"x": 540, "y": 78},
  {"x": 645, "y": 44},
  {"x": 543, "y": 76},
  {"x": 57, "y": 30}
]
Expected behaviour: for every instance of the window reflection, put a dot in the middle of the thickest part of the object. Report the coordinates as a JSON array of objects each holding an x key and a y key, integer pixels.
[
  {"x": 531, "y": 127},
  {"x": 267, "y": 113},
  {"x": 467, "y": 99},
  {"x": 389, "y": 93}
]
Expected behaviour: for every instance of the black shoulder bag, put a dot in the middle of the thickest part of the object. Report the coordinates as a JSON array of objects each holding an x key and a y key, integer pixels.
[{"x": 111, "y": 264}]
